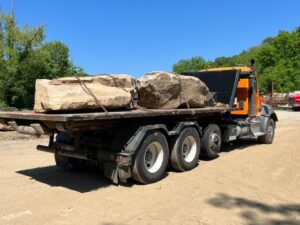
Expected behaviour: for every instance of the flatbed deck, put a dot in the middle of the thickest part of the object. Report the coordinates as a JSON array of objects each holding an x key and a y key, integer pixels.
[{"x": 89, "y": 116}]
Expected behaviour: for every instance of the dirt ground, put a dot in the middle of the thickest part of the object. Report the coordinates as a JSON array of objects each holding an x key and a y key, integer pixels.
[{"x": 248, "y": 184}]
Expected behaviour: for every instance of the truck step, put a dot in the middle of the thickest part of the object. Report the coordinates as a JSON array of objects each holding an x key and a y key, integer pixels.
[{"x": 258, "y": 134}]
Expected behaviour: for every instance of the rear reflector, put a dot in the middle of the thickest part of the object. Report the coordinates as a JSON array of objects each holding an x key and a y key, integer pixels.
[{"x": 124, "y": 160}]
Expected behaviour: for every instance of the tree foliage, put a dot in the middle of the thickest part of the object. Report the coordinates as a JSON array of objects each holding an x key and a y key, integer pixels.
[
  {"x": 192, "y": 65},
  {"x": 277, "y": 60},
  {"x": 25, "y": 57}
]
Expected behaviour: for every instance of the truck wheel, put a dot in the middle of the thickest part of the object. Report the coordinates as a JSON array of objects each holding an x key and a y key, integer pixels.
[
  {"x": 70, "y": 164},
  {"x": 151, "y": 160},
  {"x": 270, "y": 133},
  {"x": 186, "y": 150},
  {"x": 211, "y": 141},
  {"x": 64, "y": 162}
]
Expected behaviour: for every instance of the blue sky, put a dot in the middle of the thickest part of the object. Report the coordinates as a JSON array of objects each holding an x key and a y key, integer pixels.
[{"x": 138, "y": 36}]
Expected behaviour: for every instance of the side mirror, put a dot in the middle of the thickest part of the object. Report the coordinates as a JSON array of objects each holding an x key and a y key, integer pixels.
[
  {"x": 252, "y": 61},
  {"x": 241, "y": 105},
  {"x": 270, "y": 87}
]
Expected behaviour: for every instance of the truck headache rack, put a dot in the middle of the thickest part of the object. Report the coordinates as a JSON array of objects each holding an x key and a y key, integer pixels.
[{"x": 223, "y": 83}]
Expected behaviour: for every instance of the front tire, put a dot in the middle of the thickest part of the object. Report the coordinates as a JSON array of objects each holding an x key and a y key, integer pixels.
[
  {"x": 151, "y": 160},
  {"x": 270, "y": 133},
  {"x": 186, "y": 150}
]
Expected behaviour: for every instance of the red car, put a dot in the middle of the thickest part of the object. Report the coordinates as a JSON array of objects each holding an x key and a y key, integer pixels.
[{"x": 294, "y": 101}]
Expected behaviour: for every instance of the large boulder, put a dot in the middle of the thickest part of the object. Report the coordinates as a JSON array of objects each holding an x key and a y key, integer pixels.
[
  {"x": 72, "y": 93},
  {"x": 169, "y": 91}
]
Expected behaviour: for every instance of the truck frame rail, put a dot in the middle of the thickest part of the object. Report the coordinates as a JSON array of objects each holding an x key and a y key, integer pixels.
[{"x": 88, "y": 116}]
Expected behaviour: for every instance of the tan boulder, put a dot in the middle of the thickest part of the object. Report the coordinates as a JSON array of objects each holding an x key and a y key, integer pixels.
[
  {"x": 169, "y": 91},
  {"x": 122, "y": 81},
  {"x": 4, "y": 126},
  {"x": 71, "y": 93}
]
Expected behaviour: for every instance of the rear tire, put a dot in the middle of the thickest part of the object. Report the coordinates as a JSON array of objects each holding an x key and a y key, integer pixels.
[
  {"x": 151, "y": 160},
  {"x": 211, "y": 141},
  {"x": 71, "y": 164},
  {"x": 270, "y": 133},
  {"x": 186, "y": 150},
  {"x": 63, "y": 162}
]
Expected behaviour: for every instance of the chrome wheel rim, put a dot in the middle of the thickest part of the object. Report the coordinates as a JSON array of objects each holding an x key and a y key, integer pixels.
[
  {"x": 214, "y": 141},
  {"x": 189, "y": 149},
  {"x": 153, "y": 158},
  {"x": 270, "y": 131}
]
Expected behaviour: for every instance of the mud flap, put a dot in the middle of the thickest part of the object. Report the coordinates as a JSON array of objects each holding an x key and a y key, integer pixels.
[
  {"x": 111, "y": 172},
  {"x": 117, "y": 173},
  {"x": 124, "y": 172}
]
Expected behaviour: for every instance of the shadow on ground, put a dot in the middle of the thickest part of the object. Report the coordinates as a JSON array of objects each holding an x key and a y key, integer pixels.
[
  {"x": 254, "y": 212},
  {"x": 82, "y": 182},
  {"x": 238, "y": 145},
  {"x": 233, "y": 146}
]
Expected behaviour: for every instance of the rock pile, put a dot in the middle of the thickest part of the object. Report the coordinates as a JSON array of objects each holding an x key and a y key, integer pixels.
[{"x": 155, "y": 90}]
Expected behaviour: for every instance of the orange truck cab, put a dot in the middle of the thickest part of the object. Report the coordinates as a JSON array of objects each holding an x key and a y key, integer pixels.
[
  {"x": 237, "y": 87},
  {"x": 247, "y": 99}
]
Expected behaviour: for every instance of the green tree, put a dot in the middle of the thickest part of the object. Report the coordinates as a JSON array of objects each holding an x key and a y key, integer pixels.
[
  {"x": 277, "y": 60},
  {"x": 191, "y": 65},
  {"x": 25, "y": 57}
]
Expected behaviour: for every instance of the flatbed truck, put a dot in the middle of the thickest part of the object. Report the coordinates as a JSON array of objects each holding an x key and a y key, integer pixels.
[{"x": 142, "y": 143}]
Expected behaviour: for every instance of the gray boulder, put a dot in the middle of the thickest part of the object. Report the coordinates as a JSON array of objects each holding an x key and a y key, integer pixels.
[{"x": 169, "y": 91}]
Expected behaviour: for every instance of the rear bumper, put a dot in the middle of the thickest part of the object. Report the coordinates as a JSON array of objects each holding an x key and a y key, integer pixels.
[
  {"x": 62, "y": 152},
  {"x": 116, "y": 170}
]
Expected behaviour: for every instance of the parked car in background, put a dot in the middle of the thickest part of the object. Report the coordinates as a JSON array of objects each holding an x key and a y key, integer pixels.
[{"x": 294, "y": 100}]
